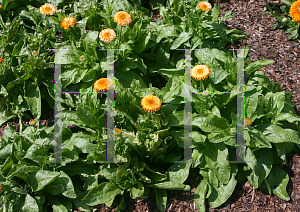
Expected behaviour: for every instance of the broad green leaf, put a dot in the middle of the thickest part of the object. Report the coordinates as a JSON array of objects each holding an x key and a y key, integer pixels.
[
  {"x": 278, "y": 180},
  {"x": 20, "y": 169},
  {"x": 18, "y": 46},
  {"x": 141, "y": 42},
  {"x": 286, "y": 117},
  {"x": 251, "y": 67},
  {"x": 218, "y": 75},
  {"x": 283, "y": 149},
  {"x": 277, "y": 134},
  {"x": 66, "y": 182},
  {"x": 168, "y": 31},
  {"x": 6, "y": 151},
  {"x": 251, "y": 99},
  {"x": 30, "y": 204},
  {"x": 137, "y": 191},
  {"x": 179, "y": 137},
  {"x": 161, "y": 199},
  {"x": 89, "y": 42},
  {"x": 82, "y": 141},
  {"x": 259, "y": 138},
  {"x": 219, "y": 195},
  {"x": 179, "y": 172},
  {"x": 216, "y": 156},
  {"x": 263, "y": 167},
  {"x": 102, "y": 193},
  {"x": 59, "y": 207},
  {"x": 38, "y": 180},
  {"x": 80, "y": 206},
  {"x": 200, "y": 195},
  {"x": 21, "y": 79},
  {"x": 183, "y": 37},
  {"x": 33, "y": 98},
  {"x": 210, "y": 123},
  {"x": 37, "y": 153}
]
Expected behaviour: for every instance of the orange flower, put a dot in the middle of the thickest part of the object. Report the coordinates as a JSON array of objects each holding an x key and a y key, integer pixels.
[
  {"x": 47, "y": 9},
  {"x": 248, "y": 121},
  {"x": 81, "y": 58},
  {"x": 101, "y": 84},
  {"x": 0, "y": 6},
  {"x": 295, "y": 11},
  {"x": 151, "y": 103},
  {"x": 107, "y": 35},
  {"x": 0, "y": 60},
  {"x": 118, "y": 131},
  {"x": 204, "y": 6},
  {"x": 67, "y": 22},
  {"x": 32, "y": 122},
  {"x": 200, "y": 72},
  {"x": 122, "y": 18},
  {"x": 35, "y": 53}
]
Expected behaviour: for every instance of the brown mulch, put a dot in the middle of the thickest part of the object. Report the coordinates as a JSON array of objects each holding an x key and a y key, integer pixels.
[{"x": 265, "y": 42}]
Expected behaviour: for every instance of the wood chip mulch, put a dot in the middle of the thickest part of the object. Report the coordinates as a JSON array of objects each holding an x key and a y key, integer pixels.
[{"x": 266, "y": 43}]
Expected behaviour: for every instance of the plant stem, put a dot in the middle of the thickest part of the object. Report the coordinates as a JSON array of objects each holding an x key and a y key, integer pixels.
[{"x": 269, "y": 7}]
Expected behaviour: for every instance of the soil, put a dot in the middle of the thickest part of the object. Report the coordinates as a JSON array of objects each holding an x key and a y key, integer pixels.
[{"x": 265, "y": 42}]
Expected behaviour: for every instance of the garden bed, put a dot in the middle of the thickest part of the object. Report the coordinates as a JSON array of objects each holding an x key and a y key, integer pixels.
[{"x": 265, "y": 43}]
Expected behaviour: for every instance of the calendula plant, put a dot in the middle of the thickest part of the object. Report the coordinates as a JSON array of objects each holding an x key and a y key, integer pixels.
[{"x": 291, "y": 22}]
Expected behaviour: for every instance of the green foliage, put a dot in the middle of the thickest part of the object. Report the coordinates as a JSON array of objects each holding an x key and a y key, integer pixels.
[{"x": 150, "y": 144}]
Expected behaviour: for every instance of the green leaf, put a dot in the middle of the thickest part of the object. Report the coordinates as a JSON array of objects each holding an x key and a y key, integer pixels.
[
  {"x": 80, "y": 206},
  {"x": 20, "y": 169},
  {"x": 13, "y": 83},
  {"x": 259, "y": 139},
  {"x": 65, "y": 181},
  {"x": 102, "y": 193},
  {"x": 33, "y": 98},
  {"x": 171, "y": 186},
  {"x": 219, "y": 195},
  {"x": 137, "y": 191},
  {"x": 18, "y": 46},
  {"x": 277, "y": 134},
  {"x": 251, "y": 67},
  {"x": 262, "y": 168},
  {"x": 179, "y": 172},
  {"x": 210, "y": 123},
  {"x": 37, "y": 153},
  {"x": 287, "y": 117},
  {"x": 30, "y": 204},
  {"x": 278, "y": 180},
  {"x": 168, "y": 31},
  {"x": 183, "y": 37},
  {"x": 216, "y": 156},
  {"x": 38, "y": 180},
  {"x": 251, "y": 98},
  {"x": 89, "y": 42},
  {"x": 218, "y": 75},
  {"x": 200, "y": 195},
  {"x": 141, "y": 42},
  {"x": 161, "y": 199}
]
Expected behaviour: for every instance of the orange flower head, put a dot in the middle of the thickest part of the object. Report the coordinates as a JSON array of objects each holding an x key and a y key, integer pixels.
[
  {"x": 248, "y": 121},
  {"x": 0, "y": 60},
  {"x": 0, "y": 6},
  {"x": 103, "y": 84},
  {"x": 47, "y": 9},
  {"x": 295, "y": 11},
  {"x": 200, "y": 72},
  {"x": 35, "y": 53},
  {"x": 122, "y": 18},
  {"x": 204, "y": 6},
  {"x": 32, "y": 122},
  {"x": 118, "y": 131},
  {"x": 151, "y": 103},
  {"x": 81, "y": 58},
  {"x": 107, "y": 35},
  {"x": 67, "y": 22}
]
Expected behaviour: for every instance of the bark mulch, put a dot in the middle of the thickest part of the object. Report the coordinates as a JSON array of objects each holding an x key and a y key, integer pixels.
[{"x": 265, "y": 42}]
